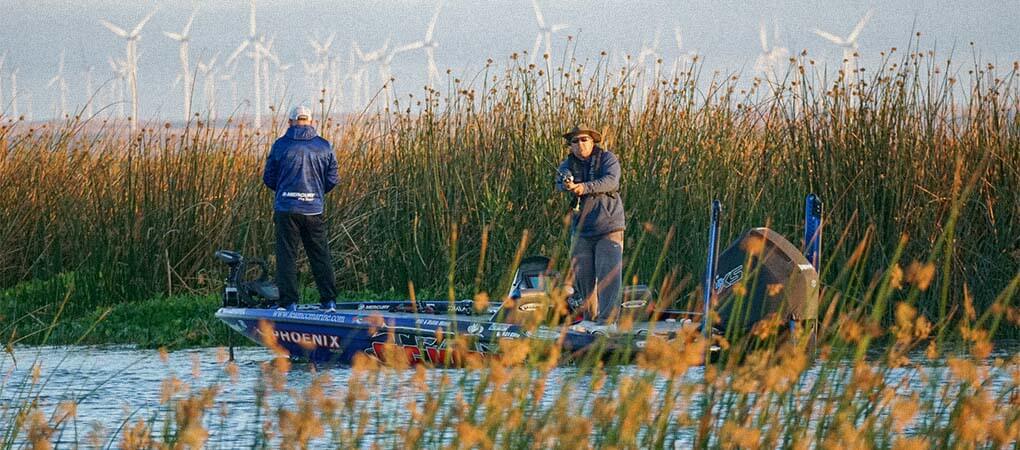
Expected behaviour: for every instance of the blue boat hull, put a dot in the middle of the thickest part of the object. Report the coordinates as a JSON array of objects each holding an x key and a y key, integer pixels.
[{"x": 338, "y": 337}]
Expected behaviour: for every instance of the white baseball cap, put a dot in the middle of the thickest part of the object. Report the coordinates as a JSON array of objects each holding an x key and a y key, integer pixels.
[{"x": 300, "y": 112}]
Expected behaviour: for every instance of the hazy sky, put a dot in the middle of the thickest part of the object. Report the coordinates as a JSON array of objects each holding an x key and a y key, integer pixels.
[{"x": 725, "y": 33}]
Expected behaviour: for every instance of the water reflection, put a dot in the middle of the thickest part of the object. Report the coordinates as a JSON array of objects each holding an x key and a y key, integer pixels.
[{"x": 118, "y": 385}]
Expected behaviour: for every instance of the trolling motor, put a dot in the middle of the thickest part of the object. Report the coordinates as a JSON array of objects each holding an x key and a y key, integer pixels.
[{"x": 243, "y": 293}]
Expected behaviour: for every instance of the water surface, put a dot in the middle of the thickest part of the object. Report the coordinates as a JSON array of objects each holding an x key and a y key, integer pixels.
[{"x": 114, "y": 386}]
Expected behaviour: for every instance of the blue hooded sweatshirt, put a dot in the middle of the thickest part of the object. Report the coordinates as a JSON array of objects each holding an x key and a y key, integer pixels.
[
  {"x": 601, "y": 205},
  {"x": 301, "y": 168}
]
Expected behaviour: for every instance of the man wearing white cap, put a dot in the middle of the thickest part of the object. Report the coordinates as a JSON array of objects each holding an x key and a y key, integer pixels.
[{"x": 301, "y": 169}]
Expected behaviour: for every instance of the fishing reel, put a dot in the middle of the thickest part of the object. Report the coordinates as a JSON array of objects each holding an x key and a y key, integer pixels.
[
  {"x": 565, "y": 176},
  {"x": 238, "y": 291}
]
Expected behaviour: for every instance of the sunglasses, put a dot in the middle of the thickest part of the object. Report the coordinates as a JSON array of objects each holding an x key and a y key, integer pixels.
[{"x": 580, "y": 139}]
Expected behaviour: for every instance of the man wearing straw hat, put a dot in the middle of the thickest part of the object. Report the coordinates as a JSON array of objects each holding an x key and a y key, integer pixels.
[
  {"x": 591, "y": 175},
  {"x": 301, "y": 169}
]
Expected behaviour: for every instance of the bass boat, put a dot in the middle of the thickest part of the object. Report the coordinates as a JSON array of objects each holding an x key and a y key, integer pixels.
[{"x": 445, "y": 333}]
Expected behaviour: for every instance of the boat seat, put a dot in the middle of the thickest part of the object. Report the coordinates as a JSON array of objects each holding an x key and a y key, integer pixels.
[{"x": 264, "y": 289}]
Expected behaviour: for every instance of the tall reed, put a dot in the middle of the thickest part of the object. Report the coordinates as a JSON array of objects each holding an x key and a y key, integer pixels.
[{"x": 128, "y": 216}]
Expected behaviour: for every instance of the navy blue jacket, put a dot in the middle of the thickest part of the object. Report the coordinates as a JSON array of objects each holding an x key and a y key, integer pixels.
[
  {"x": 601, "y": 205},
  {"x": 301, "y": 168}
]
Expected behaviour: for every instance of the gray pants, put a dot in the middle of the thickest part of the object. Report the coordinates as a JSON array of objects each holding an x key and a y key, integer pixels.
[{"x": 598, "y": 274}]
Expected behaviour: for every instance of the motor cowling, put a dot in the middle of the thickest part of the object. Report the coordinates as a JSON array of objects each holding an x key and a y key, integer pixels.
[
  {"x": 761, "y": 273},
  {"x": 528, "y": 303}
]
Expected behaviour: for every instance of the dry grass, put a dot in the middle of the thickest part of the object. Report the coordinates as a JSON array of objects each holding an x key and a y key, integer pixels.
[{"x": 919, "y": 171}]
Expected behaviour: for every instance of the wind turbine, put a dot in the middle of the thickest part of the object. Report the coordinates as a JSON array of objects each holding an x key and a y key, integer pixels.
[
  {"x": 545, "y": 32},
  {"x": 132, "y": 59},
  {"x": 120, "y": 74},
  {"x": 314, "y": 74},
  {"x": 14, "y": 93},
  {"x": 207, "y": 70},
  {"x": 227, "y": 75},
  {"x": 373, "y": 56},
  {"x": 334, "y": 78},
  {"x": 617, "y": 61},
  {"x": 3, "y": 58},
  {"x": 366, "y": 59},
  {"x": 683, "y": 56},
  {"x": 255, "y": 53},
  {"x": 184, "y": 37},
  {"x": 29, "y": 112},
  {"x": 90, "y": 99},
  {"x": 279, "y": 82},
  {"x": 428, "y": 44},
  {"x": 357, "y": 75},
  {"x": 385, "y": 72},
  {"x": 648, "y": 50},
  {"x": 61, "y": 84},
  {"x": 848, "y": 44},
  {"x": 324, "y": 72},
  {"x": 771, "y": 57},
  {"x": 321, "y": 49},
  {"x": 267, "y": 57}
]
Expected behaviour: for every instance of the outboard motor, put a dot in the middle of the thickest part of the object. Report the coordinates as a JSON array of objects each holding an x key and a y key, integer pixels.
[
  {"x": 238, "y": 292},
  {"x": 762, "y": 273},
  {"x": 529, "y": 302}
]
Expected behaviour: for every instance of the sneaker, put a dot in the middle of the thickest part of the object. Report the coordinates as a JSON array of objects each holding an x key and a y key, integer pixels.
[
  {"x": 588, "y": 326},
  {"x": 603, "y": 329},
  {"x": 583, "y": 326},
  {"x": 328, "y": 306}
]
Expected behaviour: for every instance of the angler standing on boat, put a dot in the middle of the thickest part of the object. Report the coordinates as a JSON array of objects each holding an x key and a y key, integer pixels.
[
  {"x": 591, "y": 174},
  {"x": 301, "y": 169}
]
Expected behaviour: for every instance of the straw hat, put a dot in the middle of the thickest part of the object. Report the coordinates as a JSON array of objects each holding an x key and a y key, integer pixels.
[{"x": 581, "y": 129}]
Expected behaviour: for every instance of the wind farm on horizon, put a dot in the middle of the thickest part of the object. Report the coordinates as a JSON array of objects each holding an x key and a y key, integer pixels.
[{"x": 348, "y": 76}]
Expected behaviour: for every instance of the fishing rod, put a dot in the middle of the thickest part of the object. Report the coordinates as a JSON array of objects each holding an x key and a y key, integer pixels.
[{"x": 710, "y": 266}]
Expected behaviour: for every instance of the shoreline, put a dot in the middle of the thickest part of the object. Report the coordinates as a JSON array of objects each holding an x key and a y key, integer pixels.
[{"x": 187, "y": 322}]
